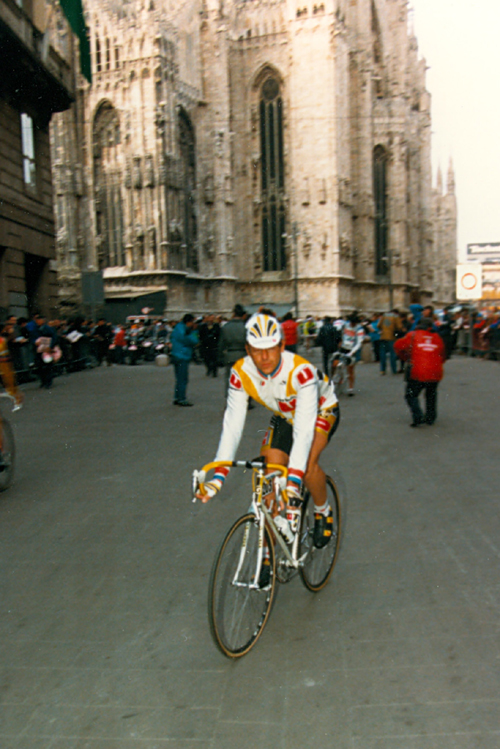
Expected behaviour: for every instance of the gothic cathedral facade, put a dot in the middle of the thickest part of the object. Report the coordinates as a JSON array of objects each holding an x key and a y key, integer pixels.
[{"x": 262, "y": 151}]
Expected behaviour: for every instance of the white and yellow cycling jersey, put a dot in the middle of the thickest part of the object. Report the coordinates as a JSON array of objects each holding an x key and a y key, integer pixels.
[{"x": 297, "y": 391}]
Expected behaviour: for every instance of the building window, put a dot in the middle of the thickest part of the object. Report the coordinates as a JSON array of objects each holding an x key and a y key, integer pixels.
[
  {"x": 117, "y": 57},
  {"x": 272, "y": 176},
  {"x": 380, "y": 199},
  {"x": 28, "y": 147},
  {"x": 107, "y": 192},
  {"x": 98, "y": 63},
  {"x": 108, "y": 55}
]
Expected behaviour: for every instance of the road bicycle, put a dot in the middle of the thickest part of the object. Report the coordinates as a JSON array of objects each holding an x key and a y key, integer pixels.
[
  {"x": 7, "y": 447},
  {"x": 238, "y": 607},
  {"x": 339, "y": 372}
]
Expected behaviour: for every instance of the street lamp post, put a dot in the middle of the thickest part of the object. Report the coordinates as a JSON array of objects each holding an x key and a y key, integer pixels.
[
  {"x": 388, "y": 263},
  {"x": 295, "y": 236}
]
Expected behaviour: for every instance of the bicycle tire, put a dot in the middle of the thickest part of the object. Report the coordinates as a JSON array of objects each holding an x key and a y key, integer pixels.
[
  {"x": 8, "y": 455},
  {"x": 319, "y": 563},
  {"x": 238, "y": 615}
]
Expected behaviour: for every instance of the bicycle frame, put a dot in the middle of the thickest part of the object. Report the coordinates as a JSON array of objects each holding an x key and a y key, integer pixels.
[{"x": 263, "y": 484}]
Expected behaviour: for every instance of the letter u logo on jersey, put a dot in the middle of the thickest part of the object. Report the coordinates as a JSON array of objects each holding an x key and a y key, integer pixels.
[
  {"x": 235, "y": 381},
  {"x": 305, "y": 375}
]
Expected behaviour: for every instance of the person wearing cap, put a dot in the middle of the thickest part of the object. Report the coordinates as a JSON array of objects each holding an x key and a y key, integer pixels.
[
  {"x": 305, "y": 416},
  {"x": 424, "y": 352}
]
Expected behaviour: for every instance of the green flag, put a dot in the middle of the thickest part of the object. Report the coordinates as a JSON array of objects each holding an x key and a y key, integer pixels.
[{"x": 73, "y": 10}]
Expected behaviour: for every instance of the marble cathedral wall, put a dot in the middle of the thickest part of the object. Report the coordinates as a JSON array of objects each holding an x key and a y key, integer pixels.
[{"x": 238, "y": 151}]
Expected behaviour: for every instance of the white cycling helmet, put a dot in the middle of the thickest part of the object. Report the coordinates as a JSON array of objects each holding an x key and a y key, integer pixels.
[{"x": 263, "y": 331}]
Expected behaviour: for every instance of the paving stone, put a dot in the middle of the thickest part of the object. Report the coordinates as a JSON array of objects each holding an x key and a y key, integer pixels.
[{"x": 104, "y": 639}]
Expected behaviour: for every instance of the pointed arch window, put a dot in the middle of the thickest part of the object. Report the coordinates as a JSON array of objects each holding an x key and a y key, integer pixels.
[
  {"x": 380, "y": 199},
  {"x": 272, "y": 176},
  {"x": 107, "y": 187},
  {"x": 187, "y": 189}
]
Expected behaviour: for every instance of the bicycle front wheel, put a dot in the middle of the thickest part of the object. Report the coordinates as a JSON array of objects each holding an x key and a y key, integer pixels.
[
  {"x": 7, "y": 455},
  {"x": 319, "y": 563},
  {"x": 237, "y": 608}
]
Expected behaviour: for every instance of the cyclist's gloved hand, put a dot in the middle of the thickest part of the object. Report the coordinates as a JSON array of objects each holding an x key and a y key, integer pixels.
[{"x": 211, "y": 488}]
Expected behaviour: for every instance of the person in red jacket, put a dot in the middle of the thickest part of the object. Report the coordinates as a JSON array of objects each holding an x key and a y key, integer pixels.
[
  {"x": 290, "y": 332},
  {"x": 425, "y": 353}
]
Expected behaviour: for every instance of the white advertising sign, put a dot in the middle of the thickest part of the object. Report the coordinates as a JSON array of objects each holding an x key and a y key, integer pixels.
[{"x": 469, "y": 281}]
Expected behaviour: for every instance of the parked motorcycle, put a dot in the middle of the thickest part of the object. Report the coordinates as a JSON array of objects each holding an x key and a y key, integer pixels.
[{"x": 134, "y": 348}]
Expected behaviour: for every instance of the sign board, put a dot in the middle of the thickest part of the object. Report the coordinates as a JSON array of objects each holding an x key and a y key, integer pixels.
[
  {"x": 469, "y": 281},
  {"x": 484, "y": 248}
]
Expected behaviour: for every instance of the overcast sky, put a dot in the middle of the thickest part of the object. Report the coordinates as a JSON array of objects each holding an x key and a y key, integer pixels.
[{"x": 461, "y": 44}]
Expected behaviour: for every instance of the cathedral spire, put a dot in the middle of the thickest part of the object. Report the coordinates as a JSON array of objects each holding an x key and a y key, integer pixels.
[
  {"x": 451, "y": 178},
  {"x": 439, "y": 181}
]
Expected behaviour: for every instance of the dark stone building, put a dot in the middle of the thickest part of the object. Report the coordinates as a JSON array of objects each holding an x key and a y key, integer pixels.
[{"x": 35, "y": 82}]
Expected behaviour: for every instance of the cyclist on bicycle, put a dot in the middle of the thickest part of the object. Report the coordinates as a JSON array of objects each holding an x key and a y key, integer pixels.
[
  {"x": 350, "y": 346},
  {"x": 305, "y": 416},
  {"x": 8, "y": 378}
]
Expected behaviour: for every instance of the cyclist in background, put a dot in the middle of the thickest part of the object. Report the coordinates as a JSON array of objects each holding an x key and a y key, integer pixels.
[
  {"x": 353, "y": 335},
  {"x": 305, "y": 416}
]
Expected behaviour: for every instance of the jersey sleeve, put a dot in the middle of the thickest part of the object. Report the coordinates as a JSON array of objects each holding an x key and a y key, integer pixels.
[
  {"x": 234, "y": 418},
  {"x": 306, "y": 411}
]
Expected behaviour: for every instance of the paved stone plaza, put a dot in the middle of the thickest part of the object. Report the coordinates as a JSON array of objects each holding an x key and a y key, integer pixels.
[{"x": 105, "y": 562}]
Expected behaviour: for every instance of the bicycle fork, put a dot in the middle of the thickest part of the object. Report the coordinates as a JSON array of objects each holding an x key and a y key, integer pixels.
[{"x": 243, "y": 551}]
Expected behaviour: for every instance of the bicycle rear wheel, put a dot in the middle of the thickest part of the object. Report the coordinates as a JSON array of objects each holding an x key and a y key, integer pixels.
[
  {"x": 319, "y": 563},
  {"x": 237, "y": 612},
  {"x": 7, "y": 455},
  {"x": 339, "y": 378}
]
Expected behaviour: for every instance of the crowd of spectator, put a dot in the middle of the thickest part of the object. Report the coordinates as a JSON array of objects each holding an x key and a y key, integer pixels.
[{"x": 41, "y": 348}]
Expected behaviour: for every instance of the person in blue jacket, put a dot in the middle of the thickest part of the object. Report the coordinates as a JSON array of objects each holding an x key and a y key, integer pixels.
[{"x": 183, "y": 339}]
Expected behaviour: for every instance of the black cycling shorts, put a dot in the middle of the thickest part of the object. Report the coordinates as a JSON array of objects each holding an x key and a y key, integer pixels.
[{"x": 279, "y": 434}]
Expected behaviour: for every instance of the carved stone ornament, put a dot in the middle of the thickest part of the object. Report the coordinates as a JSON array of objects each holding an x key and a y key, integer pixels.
[
  {"x": 128, "y": 176},
  {"x": 208, "y": 246},
  {"x": 175, "y": 232},
  {"x": 345, "y": 246},
  {"x": 136, "y": 173},
  {"x": 307, "y": 245},
  {"x": 219, "y": 144},
  {"x": 209, "y": 189},
  {"x": 152, "y": 238},
  {"x": 150, "y": 172},
  {"x": 162, "y": 172}
]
